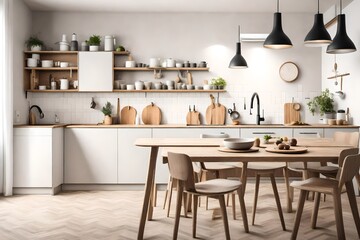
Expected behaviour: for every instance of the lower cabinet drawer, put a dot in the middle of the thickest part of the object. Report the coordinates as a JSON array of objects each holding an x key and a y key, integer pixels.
[{"x": 308, "y": 132}]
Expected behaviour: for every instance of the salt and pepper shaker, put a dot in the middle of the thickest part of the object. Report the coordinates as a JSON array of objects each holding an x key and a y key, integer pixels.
[{"x": 74, "y": 46}]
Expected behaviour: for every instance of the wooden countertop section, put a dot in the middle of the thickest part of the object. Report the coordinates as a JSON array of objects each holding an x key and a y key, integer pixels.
[{"x": 183, "y": 126}]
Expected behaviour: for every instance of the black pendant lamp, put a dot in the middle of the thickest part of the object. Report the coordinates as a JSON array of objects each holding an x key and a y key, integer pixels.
[
  {"x": 318, "y": 35},
  {"x": 238, "y": 61},
  {"x": 341, "y": 42},
  {"x": 277, "y": 39}
]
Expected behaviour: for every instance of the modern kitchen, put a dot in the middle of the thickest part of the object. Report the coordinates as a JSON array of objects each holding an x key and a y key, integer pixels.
[{"x": 106, "y": 104}]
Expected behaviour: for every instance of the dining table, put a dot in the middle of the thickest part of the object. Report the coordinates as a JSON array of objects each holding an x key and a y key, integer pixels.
[{"x": 321, "y": 150}]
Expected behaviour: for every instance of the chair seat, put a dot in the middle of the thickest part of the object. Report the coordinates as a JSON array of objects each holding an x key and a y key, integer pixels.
[
  {"x": 216, "y": 186},
  {"x": 323, "y": 185},
  {"x": 299, "y": 166},
  {"x": 258, "y": 166},
  {"x": 325, "y": 169},
  {"x": 216, "y": 166}
]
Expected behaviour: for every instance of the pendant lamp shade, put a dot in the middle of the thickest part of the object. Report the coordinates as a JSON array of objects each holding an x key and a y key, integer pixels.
[
  {"x": 238, "y": 61},
  {"x": 277, "y": 39},
  {"x": 341, "y": 42},
  {"x": 318, "y": 35}
]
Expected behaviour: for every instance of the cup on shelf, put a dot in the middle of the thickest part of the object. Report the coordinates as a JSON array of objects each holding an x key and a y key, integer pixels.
[
  {"x": 207, "y": 87},
  {"x": 139, "y": 85},
  {"x": 189, "y": 87},
  {"x": 117, "y": 84},
  {"x": 147, "y": 85},
  {"x": 154, "y": 62},
  {"x": 36, "y": 56},
  {"x": 122, "y": 86},
  {"x": 47, "y": 63},
  {"x": 76, "y": 84},
  {"x": 198, "y": 87},
  {"x": 42, "y": 87},
  {"x": 32, "y": 62},
  {"x": 64, "y": 64},
  {"x": 130, "y": 87},
  {"x": 130, "y": 64},
  {"x": 64, "y": 84},
  {"x": 179, "y": 65},
  {"x": 157, "y": 85}
]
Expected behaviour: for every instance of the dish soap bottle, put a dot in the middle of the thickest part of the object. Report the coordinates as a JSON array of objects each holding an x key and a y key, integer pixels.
[{"x": 74, "y": 43}]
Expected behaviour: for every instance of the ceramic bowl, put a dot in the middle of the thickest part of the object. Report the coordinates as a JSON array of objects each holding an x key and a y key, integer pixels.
[
  {"x": 239, "y": 143},
  {"x": 42, "y": 87},
  {"x": 130, "y": 64},
  {"x": 64, "y": 64},
  {"x": 32, "y": 62},
  {"x": 130, "y": 87},
  {"x": 47, "y": 63},
  {"x": 147, "y": 85}
]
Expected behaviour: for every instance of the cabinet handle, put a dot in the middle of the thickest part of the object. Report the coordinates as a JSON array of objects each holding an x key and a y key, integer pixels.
[
  {"x": 309, "y": 133},
  {"x": 263, "y": 133}
]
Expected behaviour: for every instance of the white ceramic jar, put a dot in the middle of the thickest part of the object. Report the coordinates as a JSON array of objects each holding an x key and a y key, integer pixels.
[
  {"x": 170, "y": 63},
  {"x": 109, "y": 43},
  {"x": 64, "y": 84},
  {"x": 154, "y": 62}
]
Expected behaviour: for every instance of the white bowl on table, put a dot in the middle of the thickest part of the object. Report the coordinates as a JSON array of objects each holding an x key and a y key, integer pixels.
[{"x": 239, "y": 143}]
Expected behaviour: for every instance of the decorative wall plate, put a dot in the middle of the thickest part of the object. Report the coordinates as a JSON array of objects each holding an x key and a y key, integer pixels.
[{"x": 289, "y": 71}]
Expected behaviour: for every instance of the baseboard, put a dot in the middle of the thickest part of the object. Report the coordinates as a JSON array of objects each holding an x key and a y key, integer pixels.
[{"x": 108, "y": 187}]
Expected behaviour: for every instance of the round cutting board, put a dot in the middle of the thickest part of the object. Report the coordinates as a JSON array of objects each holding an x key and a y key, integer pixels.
[
  {"x": 225, "y": 149},
  {"x": 151, "y": 114},
  {"x": 290, "y": 151}
]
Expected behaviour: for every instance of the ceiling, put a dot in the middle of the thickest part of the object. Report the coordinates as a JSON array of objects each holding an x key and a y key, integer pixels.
[{"x": 289, "y": 6}]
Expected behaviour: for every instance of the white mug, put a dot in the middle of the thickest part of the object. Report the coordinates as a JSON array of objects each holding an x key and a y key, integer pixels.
[{"x": 64, "y": 84}]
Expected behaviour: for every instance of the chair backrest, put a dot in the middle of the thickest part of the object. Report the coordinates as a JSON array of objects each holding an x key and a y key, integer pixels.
[
  {"x": 350, "y": 168},
  {"x": 180, "y": 167},
  {"x": 351, "y": 138},
  {"x": 220, "y": 135},
  {"x": 346, "y": 152}
]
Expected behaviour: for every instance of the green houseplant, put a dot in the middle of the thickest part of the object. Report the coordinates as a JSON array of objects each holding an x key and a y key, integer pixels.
[
  {"x": 106, "y": 110},
  {"x": 94, "y": 42},
  {"x": 34, "y": 43},
  {"x": 218, "y": 82},
  {"x": 324, "y": 103}
]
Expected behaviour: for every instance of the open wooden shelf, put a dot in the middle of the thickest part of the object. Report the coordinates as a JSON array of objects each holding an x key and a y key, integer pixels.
[
  {"x": 52, "y": 68},
  {"x": 52, "y": 52},
  {"x": 53, "y": 91},
  {"x": 121, "y": 53},
  {"x": 171, "y": 91},
  {"x": 163, "y": 69}
]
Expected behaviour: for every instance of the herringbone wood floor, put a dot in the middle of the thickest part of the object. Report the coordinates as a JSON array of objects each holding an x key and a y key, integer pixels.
[{"x": 115, "y": 215}]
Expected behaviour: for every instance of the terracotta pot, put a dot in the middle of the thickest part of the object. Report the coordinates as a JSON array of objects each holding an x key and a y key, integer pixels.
[{"x": 108, "y": 120}]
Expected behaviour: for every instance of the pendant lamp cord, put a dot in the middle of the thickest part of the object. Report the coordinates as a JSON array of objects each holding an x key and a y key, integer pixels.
[
  {"x": 277, "y": 5},
  {"x": 239, "y": 32},
  {"x": 318, "y": 6},
  {"x": 340, "y": 6}
]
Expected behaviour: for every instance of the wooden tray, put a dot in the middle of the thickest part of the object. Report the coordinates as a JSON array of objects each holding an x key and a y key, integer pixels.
[
  {"x": 290, "y": 151},
  {"x": 225, "y": 149}
]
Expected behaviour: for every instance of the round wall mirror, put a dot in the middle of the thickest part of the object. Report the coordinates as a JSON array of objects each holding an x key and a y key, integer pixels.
[{"x": 289, "y": 71}]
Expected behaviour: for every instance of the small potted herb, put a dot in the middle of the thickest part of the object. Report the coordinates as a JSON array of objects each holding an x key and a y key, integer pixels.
[
  {"x": 94, "y": 43},
  {"x": 106, "y": 110},
  {"x": 34, "y": 43},
  {"x": 267, "y": 138},
  {"x": 218, "y": 83},
  {"x": 324, "y": 104}
]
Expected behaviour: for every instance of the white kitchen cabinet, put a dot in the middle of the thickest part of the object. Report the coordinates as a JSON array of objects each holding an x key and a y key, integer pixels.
[
  {"x": 260, "y": 132},
  {"x": 329, "y": 132},
  {"x": 162, "y": 172},
  {"x": 132, "y": 160},
  {"x": 90, "y": 156},
  {"x": 308, "y": 133},
  {"x": 96, "y": 71},
  {"x": 38, "y": 160}
]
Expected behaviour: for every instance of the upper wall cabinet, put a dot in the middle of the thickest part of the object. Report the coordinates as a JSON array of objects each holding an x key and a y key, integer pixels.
[{"x": 95, "y": 71}]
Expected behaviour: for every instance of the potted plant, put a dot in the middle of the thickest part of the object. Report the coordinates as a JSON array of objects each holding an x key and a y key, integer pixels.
[
  {"x": 94, "y": 42},
  {"x": 34, "y": 43},
  {"x": 218, "y": 83},
  {"x": 323, "y": 103},
  {"x": 106, "y": 110}
]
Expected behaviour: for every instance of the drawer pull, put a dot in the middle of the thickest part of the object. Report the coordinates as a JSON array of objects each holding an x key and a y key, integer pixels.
[
  {"x": 263, "y": 133},
  {"x": 309, "y": 133}
]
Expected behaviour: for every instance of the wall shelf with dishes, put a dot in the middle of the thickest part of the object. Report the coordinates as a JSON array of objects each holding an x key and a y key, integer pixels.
[{"x": 50, "y": 71}]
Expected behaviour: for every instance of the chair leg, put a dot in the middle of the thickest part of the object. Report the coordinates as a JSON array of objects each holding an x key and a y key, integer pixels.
[
  {"x": 185, "y": 203},
  {"x": 233, "y": 205},
  {"x": 155, "y": 195},
  {"x": 167, "y": 192},
  {"x": 170, "y": 196},
  {"x": 288, "y": 193},
  {"x": 277, "y": 200},
  {"x": 299, "y": 211},
  {"x": 338, "y": 215},
  {"x": 195, "y": 203},
  {"x": 243, "y": 209},
  {"x": 357, "y": 175},
  {"x": 256, "y": 194},
  {"x": 315, "y": 210},
  {"x": 353, "y": 205},
  {"x": 178, "y": 210},
  {"x": 224, "y": 215}
]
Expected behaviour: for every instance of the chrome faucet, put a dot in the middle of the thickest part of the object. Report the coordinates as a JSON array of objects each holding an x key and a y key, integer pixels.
[
  {"x": 258, "y": 118},
  {"x": 32, "y": 118}
]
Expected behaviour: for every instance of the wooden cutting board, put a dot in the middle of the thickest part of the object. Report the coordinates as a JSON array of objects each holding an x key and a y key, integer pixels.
[
  {"x": 209, "y": 110},
  {"x": 128, "y": 115},
  {"x": 291, "y": 112},
  {"x": 225, "y": 149},
  {"x": 218, "y": 114},
  {"x": 151, "y": 114},
  {"x": 292, "y": 150},
  {"x": 193, "y": 118}
]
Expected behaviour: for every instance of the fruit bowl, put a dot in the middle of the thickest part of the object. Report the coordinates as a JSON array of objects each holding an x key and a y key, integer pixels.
[{"x": 239, "y": 143}]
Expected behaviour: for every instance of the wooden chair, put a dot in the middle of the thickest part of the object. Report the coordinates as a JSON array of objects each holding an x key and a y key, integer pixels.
[
  {"x": 348, "y": 169},
  {"x": 181, "y": 169},
  {"x": 329, "y": 170}
]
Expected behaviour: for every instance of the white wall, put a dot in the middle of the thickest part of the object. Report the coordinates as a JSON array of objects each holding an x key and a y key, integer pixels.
[
  {"x": 347, "y": 63},
  {"x": 21, "y": 32},
  {"x": 194, "y": 37}
]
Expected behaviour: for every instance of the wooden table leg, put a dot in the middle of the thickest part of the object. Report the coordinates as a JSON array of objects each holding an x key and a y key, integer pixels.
[
  {"x": 148, "y": 187},
  {"x": 244, "y": 176}
]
